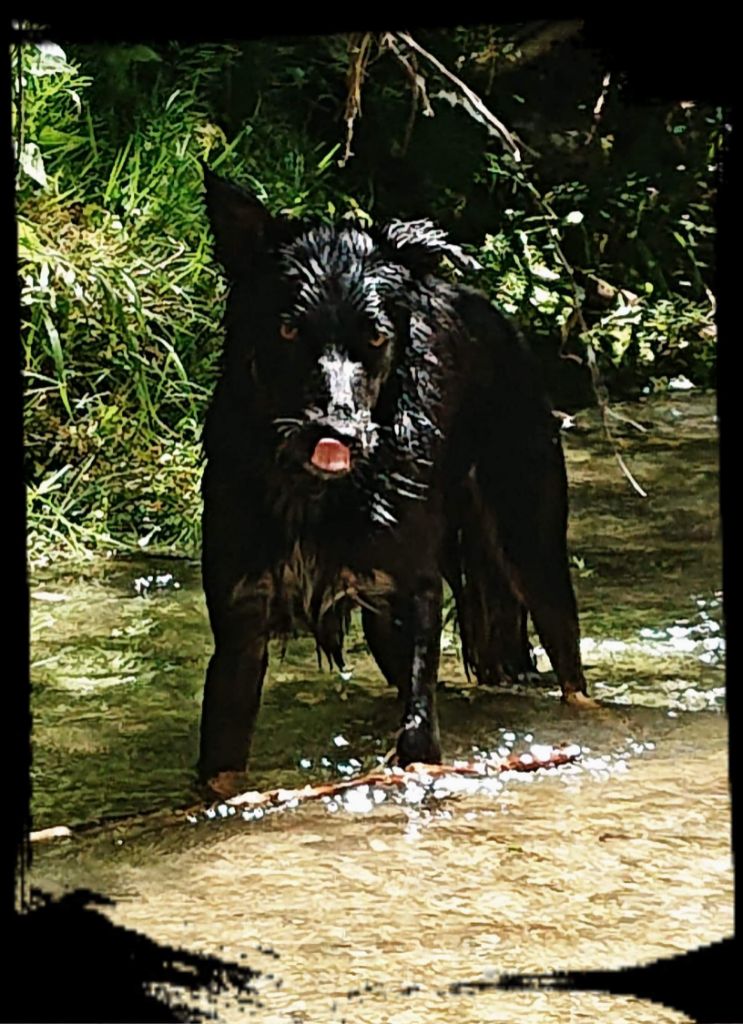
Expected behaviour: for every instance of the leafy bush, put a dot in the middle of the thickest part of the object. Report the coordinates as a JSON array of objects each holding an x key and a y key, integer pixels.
[{"x": 121, "y": 299}]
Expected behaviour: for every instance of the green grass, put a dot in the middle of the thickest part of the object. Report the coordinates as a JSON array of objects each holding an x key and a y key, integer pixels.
[{"x": 122, "y": 301}]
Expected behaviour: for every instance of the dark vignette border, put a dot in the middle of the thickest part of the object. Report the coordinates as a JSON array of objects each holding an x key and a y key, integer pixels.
[{"x": 70, "y": 962}]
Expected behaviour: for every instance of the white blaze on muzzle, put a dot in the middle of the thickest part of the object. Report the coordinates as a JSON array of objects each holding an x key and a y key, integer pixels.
[
  {"x": 340, "y": 375},
  {"x": 348, "y": 394}
]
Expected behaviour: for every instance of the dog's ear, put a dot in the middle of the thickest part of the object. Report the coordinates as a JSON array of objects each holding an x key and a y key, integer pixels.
[
  {"x": 420, "y": 246},
  {"x": 239, "y": 222}
]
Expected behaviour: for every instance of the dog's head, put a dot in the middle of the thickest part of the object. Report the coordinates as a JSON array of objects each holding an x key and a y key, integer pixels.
[{"x": 320, "y": 317}]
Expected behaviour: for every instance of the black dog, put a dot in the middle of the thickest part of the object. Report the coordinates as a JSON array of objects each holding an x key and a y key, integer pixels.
[{"x": 374, "y": 430}]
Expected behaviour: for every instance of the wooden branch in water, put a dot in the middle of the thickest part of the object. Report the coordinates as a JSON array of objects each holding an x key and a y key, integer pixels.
[
  {"x": 389, "y": 778},
  {"x": 393, "y": 778}
]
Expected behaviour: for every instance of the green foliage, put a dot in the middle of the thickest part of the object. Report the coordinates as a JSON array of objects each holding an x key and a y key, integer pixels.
[
  {"x": 122, "y": 301},
  {"x": 668, "y": 321}
]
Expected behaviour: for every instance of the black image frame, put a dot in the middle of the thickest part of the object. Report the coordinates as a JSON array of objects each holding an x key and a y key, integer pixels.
[{"x": 656, "y": 60}]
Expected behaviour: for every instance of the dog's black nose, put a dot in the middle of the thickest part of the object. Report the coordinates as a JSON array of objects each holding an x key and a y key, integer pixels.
[{"x": 341, "y": 410}]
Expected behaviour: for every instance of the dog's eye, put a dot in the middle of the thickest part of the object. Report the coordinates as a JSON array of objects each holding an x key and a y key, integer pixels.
[
  {"x": 379, "y": 340},
  {"x": 288, "y": 333}
]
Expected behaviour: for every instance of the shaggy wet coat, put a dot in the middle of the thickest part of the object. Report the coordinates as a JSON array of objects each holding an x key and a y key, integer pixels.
[{"x": 375, "y": 429}]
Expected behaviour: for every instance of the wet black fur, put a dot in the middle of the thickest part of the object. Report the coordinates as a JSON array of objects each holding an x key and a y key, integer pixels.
[{"x": 457, "y": 470}]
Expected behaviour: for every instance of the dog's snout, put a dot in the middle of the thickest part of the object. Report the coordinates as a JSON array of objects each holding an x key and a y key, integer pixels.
[
  {"x": 341, "y": 377},
  {"x": 341, "y": 408}
]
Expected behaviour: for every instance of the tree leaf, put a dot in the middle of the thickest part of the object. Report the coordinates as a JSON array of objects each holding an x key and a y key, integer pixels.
[
  {"x": 49, "y": 136},
  {"x": 32, "y": 163}
]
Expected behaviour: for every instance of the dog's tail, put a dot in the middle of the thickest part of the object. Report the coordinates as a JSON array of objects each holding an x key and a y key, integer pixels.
[{"x": 491, "y": 619}]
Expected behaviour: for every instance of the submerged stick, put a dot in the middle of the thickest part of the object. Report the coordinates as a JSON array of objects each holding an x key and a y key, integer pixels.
[
  {"x": 275, "y": 799},
  {"x": 397, "y": 777}
]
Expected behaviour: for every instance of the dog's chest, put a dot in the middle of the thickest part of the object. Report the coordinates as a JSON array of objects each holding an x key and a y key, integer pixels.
[{"x": 313, "y": 584}]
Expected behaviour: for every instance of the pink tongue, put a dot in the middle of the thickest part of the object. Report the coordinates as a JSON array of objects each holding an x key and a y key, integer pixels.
[{"x": 331, "y": 455}]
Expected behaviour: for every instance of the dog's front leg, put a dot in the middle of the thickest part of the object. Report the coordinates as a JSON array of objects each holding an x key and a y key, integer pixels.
[
  {"x": 419, "y": 736},
  {"x": 234, "y": 681}
]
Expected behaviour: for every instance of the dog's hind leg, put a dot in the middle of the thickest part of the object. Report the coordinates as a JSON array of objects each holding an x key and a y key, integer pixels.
[
  {"x": 548, "y": 591},
  {"x": 528, "y": 513}
]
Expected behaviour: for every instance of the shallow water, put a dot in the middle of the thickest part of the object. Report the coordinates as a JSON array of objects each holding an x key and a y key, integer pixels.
[{"x": 621, "y": 858}]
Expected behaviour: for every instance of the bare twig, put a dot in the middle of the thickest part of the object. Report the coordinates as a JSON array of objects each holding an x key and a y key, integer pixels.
[
  {"x": 578, "y": 317},
  {"x": 599, "y": 107},
  {"x": 359, "y": 45},
  {"x": 417, "y": 80},
  {"x": 393, "y": 778},
  {"x": 418, "y": 92},
  {"x": 626, "y": 419},
  {"x": 388, "y": 778},
  {"x": 473, "y": 100},
  {"x": 411, "y": 121}
]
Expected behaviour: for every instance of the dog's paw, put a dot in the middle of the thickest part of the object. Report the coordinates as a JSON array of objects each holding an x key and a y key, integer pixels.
[
  {"x": 225, "y": 785},
  {"x": 578, "y": 699}
]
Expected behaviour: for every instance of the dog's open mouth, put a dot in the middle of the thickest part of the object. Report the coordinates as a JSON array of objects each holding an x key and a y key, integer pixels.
[{"x": 331, "y": 456}]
